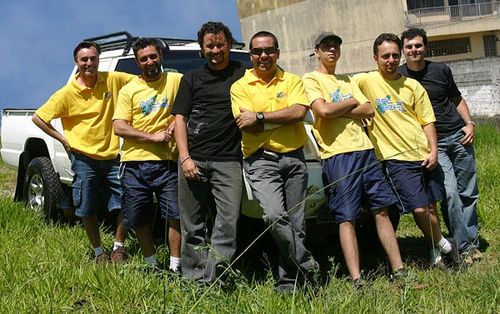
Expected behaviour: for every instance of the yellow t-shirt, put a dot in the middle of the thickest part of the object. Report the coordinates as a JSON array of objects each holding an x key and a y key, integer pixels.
[
  {"x": 336, "y": 135},
  {"x": 402, "y": 107},
  {"x": 86, "y": 114},
  {"x": 284, "y": 90},
  {"x": 146, "y": 107}
]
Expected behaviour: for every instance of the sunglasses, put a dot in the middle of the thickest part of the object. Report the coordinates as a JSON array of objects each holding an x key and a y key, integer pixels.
[{"x": 259, "y": 51}]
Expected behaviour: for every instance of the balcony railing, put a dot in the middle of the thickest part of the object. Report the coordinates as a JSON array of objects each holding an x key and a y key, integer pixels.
[{"x": 451, "y": 13}]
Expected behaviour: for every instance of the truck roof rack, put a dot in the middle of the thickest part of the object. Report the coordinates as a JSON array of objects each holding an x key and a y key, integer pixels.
[{"x": 124, "y": 40}]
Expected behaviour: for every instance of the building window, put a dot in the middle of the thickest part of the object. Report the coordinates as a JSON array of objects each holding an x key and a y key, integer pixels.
[
  {"x": 448, "y": 47},
  {"x": 490, "y": 45},
  {"x": 419, "y": 4}
]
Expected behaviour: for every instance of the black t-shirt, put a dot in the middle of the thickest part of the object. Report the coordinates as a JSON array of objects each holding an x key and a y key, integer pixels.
[
  {"x": 438, "y": 81},
  {"x": 204, "y": 98}
]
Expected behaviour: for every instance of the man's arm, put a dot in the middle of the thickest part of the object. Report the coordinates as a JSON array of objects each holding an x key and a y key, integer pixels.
[
  {"x": 125, "y": 130},
  {"x": 464, "y": 112},
  {"x": 295, "y": 113},
  {"x": 430, "y": 133},
  {"x": 50, "y": 130},
  {"x": 364, "y": 111},
  {"x": 188, "y": 166},
  {"x": 324, "y": 109}
]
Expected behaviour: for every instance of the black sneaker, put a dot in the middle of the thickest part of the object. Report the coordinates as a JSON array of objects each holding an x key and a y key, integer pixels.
[{"x": 452, "y": 258}]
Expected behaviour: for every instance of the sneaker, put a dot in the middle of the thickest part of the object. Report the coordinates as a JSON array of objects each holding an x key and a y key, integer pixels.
[
  {"x": 467, "y": 259},
  {"x": 452, "y": 258},
  {"x": 476, "y": 255},
  {"x": 102, "y": 259},
  {"x": 119, "y": 255}
]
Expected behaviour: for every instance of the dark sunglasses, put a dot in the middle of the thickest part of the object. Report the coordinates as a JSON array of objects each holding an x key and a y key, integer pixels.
[{"x": 259, "y": 51}]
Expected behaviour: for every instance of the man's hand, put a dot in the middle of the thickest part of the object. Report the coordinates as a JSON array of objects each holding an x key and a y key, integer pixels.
[
  {"x": 431, "y": 161},
  {"x": 469, "y": 134},
  {"x": 161, "y": 136},
  {"x": 170, "y": 130},
  {"x": 189, "y": 168},
  {"x": 245, "y": 119},
  {"x": 67, "y": 148}
]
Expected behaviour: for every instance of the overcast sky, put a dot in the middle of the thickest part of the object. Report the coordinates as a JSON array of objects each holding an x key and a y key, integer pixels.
[{"x": 38, "y": 36}]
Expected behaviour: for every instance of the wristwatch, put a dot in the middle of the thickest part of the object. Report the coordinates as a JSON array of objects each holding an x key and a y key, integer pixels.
[
  {"x": 471, "y": 122},
  {"x": 259, "y": 116}
]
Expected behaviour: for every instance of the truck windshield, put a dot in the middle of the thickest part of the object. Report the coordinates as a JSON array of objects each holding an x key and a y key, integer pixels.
[{"x": 180, "y": 61}]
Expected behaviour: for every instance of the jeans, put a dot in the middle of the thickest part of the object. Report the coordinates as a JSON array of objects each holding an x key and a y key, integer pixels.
[
  {"x": 460, "y": 181},
  {"x": 217, "y": 196},
  {"x": 95, "y": 181},
  {"x": 279, "y": 183}
]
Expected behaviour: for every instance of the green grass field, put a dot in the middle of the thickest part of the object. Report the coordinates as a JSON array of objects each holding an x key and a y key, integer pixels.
[{"x": 47, "y": 267}]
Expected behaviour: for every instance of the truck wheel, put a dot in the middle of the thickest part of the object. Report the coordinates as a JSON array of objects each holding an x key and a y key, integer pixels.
[{"x": 43, "y": 189}]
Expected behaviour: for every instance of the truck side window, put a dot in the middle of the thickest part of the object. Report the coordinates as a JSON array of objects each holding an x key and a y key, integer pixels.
[{"x": 180, "y": 61}]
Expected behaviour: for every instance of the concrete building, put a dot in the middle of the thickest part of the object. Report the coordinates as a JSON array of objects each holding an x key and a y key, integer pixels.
[{"x": 463, "y": 33}]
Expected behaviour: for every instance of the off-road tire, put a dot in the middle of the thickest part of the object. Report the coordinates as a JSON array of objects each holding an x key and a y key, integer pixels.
[{"x": 43, "y": 189}]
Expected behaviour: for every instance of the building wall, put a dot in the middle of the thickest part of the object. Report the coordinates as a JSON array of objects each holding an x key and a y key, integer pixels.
[
  {"x": 296, "y": 23},
  {"x": 479, "y": 82}
]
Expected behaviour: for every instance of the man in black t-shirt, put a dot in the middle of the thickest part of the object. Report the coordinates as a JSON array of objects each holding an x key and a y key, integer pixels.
[
  {"x": 455, "y": 131},
  {"x": 210, "y": 157}
]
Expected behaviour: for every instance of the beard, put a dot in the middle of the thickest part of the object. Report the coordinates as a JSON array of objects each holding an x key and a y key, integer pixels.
[{"x": 152, "y": 72}]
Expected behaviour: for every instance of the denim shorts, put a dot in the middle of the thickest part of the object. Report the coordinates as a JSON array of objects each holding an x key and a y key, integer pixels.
[
  {"x": 357, "y": 181},
  {"x": 414, "y": 185},
  {"x": 95, "y": 184},
  {"x": 143, "y": 180}
]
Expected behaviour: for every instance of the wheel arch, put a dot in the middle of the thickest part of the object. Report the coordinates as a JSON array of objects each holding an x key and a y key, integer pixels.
[{"x": 34, "y": 147}]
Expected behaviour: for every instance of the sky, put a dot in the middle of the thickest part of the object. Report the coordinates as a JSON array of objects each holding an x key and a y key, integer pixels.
[{"x": 38, "y": 36}]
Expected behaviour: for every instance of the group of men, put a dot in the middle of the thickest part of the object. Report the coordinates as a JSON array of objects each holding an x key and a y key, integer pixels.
[{"x": 189, "y": 139}]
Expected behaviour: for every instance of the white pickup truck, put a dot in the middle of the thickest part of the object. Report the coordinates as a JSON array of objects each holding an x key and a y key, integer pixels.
[{"x": 42, "y": 164}]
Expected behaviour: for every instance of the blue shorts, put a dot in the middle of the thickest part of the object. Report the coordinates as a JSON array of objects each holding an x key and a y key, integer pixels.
[
  {"x": 357, "y": 181},
  {"x": 414, "y": 185},
  {"x": 95, "y": 181},
  {"x": 143, "y": 180}
]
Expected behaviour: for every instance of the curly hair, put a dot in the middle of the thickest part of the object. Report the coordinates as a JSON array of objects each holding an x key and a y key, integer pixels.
[{"x": 214, "y": 28}]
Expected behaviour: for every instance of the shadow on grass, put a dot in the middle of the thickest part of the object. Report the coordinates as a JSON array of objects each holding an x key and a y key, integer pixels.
[{"x": 262, "y": 256}]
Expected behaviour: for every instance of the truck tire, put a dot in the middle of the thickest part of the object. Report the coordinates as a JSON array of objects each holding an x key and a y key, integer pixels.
[{"x": 42, "y": 188}]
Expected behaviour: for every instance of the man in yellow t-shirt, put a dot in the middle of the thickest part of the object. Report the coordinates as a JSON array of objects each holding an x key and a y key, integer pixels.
[
  {"x": 85, "y": 106},
  {"x": 405, "y": 139},
  {"x": 348, "y": 160},
  {"x": 274, "y": 162},
  {"x": 149, "y": 166}
]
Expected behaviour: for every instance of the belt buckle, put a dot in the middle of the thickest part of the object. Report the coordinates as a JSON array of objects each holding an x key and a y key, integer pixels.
[{"x": 270, "y": 153}]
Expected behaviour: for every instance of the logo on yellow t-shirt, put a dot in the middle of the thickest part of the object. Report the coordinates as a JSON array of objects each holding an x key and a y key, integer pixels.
[
  {"x": 150, "y": 105},
  {"x": 337, "y": 95},
  {"x": 385, "y": 104},
  {"x": 280, "y": 95}
]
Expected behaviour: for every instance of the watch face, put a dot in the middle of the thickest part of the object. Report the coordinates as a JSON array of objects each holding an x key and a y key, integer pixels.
[{"x": 260, "y": 116}]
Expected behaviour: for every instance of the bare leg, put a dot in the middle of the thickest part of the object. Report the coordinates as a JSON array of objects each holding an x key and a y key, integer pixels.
[
  {"x": 174, "y": 237},
  {"x": 121, "y": 231},
  {"x": 349, "y": 244},
  {"x": 427, "y": 221},
  {"x": 388, "y": 238},
  {"x": 145, "y": 240},
  {"x": 92, "y": 229}
]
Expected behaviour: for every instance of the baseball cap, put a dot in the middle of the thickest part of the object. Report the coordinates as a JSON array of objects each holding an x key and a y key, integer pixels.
[{"x": 323, "y": 36}]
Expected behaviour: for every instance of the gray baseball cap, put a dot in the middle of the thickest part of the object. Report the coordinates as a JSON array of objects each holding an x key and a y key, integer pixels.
[{"x": 325, "y": 35}]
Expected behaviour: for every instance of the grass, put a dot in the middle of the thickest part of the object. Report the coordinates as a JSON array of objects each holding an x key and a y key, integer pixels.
[{"x": 47, "y": 267}]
